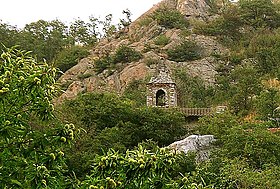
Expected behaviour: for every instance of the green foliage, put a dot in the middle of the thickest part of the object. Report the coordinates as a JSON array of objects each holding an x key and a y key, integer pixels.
[
  {"x": 218, "y": 125},
  {"x": 258, "y": 146},
  {"x": 8, "y": 35},
  {"x": 239, "y": 87},
  {"x": 170, "y": 18},
  {"x": 140, "y": 168},
  {"x": 125, "y": 54},
  {"x": 115, "y": 122},
  {"x": 45, "y": 39},
  {"x": 102, "y": 64},
  {"x": 259, "y": 13},
  {"x": 185, "y": 51},
  {"x": 30, "y": 158},
  {"x": 136, "y": 91},
  {"x": 84, "y": 33},
  {"x": 152, "y": 61},
  {"x": 227, "y": 23},
  {"x": 265, "y": 47},
  {"x": 267, "y": 102},
  {"x": 161, "y": 40},
  {"x": 69, "y": 57},
  {"x": 192, "y": 91},
  {"x": 145, "y": 21},
  {"x": 246, "y": 84}
]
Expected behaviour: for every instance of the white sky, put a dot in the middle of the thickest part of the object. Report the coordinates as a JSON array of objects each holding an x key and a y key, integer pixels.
[{"x": 21, "y": 12}]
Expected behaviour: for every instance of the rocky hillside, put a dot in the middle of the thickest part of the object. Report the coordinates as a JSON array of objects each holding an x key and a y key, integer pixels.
[{"x": 152, "y": 39}]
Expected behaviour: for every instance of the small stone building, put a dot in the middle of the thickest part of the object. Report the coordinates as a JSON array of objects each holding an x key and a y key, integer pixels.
[{"x": 161, "y": 90}]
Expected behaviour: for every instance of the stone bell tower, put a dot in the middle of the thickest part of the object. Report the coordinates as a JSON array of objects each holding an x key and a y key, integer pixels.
[{"x": 162, "y": 89}]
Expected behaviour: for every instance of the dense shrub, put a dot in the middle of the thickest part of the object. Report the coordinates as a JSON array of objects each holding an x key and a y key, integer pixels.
[
  {"x": 136, "y": 91},
  {"x": 69, "y": 57},
  {"x": 192, "y": 91},
  {"x": 170, "y": 18},
  {"x": 29, "y": 157},
  {"x": 161, "y": 40},
  {"x": 103, "y": 63},
  {"x": 185, "y": 51},
  {"x": 125, "y": 54}
]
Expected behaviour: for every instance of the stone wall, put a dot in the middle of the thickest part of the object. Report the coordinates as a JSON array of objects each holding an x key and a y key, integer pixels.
[{"x": 170, "y": 94}]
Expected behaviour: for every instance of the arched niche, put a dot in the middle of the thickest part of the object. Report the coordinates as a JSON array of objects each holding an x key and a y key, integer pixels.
[{"x": 160, "y": 98}]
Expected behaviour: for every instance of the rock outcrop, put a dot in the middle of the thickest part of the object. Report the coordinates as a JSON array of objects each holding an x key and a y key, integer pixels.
[
  {"x": 195, "y": 143},
  {"x": 83, "y": 78}
]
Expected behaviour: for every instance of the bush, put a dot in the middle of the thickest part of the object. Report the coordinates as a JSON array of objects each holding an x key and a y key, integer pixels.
[
  {"x": 125, "y": 54},
  {"x": 192, "y": 91},
  {"x": 170, "y": 18},
  {"x": 161, "y": 40},
  {"x": 69, "y": 57},
  {"x": 186, "y": 51},
  {"x": 102, "y": 64},
  {"x": 136, "y": 91}
]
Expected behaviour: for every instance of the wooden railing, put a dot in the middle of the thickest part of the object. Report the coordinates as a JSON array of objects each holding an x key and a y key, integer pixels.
[{"x": 196, "y": 111}]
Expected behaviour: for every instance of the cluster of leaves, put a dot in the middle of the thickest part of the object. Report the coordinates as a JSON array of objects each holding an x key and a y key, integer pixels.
[
  {"x": 186, "y": 51},
  {"x": 30, "y": 158},
  {"x": 170, "y": 18},
  {"x": 141, "y": 168},
  {"x": 123, "y": 54},
  {"x": 250, "y": 29}
]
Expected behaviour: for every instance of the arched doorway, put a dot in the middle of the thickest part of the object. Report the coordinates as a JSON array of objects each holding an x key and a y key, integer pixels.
[{"x": 160, "y": 98}]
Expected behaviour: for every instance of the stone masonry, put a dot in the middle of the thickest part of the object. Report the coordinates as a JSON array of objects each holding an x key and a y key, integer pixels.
[{"x": 162, "y": 90}]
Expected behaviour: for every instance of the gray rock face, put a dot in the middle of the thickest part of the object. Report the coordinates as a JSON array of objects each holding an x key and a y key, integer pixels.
[
  {"x": 195, "y": 143},
  {"x": 193, "y": 8}
]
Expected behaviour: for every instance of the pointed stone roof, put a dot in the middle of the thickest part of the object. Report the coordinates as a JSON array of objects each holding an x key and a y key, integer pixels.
[{"x": 162, "y": 76}]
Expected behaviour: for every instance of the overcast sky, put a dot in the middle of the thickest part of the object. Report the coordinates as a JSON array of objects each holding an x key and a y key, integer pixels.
[{"x": 21, "y": 12}]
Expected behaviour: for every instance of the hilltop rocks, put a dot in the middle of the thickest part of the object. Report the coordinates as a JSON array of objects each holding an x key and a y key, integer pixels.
[{"x": 141, "y": 37}]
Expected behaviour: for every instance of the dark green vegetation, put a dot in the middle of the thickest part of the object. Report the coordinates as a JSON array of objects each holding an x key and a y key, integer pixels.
[
  {"x": 123, "y": 54},
  {"x": 170, "y": 18},
  {"x": 104, "y": 140}
]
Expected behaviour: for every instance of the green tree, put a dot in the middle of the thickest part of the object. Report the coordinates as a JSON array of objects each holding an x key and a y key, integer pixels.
[
  {"x": 30, "y": 158},
  {"x": 259, "y": 13},
  {"x": 45, "y": 39},
  {"x": 125, "y": 54},
  {"x": 84, "y": 33},
  {"x": 116, "y": 122},
  {"x": 245, "y": 84},
  {"x": 267, "y": 102},
  {"x": 8, "y": 35}
]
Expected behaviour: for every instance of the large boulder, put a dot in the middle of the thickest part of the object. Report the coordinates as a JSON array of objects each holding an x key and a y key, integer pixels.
[{"x": 195, "y": 143}]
